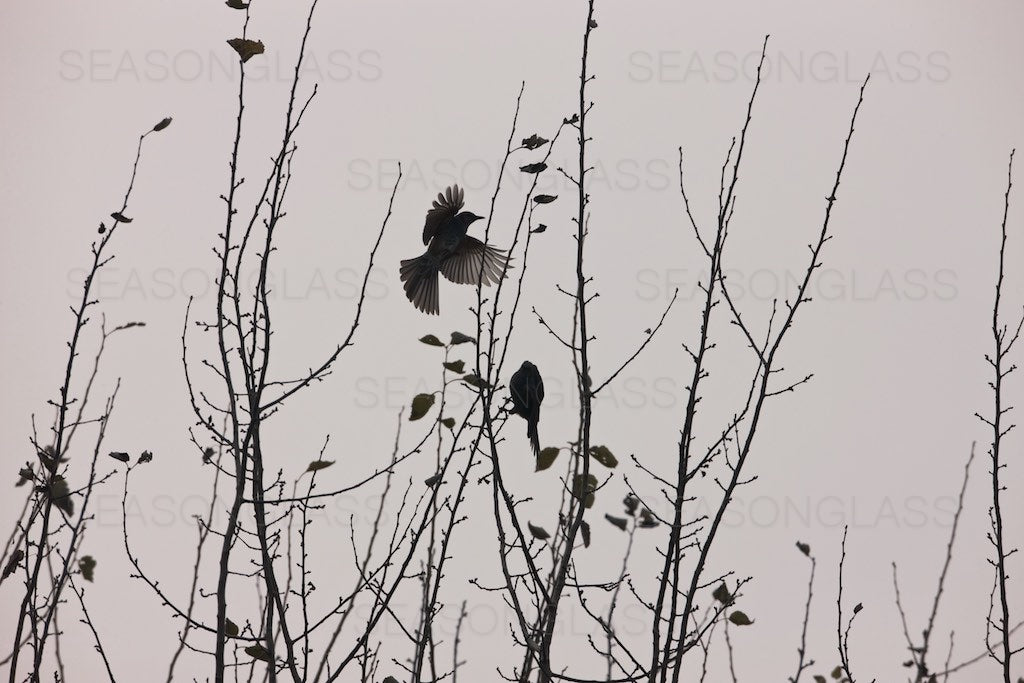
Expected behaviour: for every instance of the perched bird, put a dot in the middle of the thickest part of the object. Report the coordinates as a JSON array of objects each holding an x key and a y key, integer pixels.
[
  {"x": 527, "y": 389},
  {"x": 462, "y": 259}
]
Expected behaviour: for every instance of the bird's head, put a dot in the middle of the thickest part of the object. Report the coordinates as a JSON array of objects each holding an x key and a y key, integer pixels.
[{"x": 469, "y": 217}]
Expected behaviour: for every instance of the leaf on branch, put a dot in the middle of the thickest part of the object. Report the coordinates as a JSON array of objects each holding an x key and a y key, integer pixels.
[
  {"x": 459, "y": 338},
  {"x": 474, "y": 380},
  {"x": 230, "y": 628},
  {"x": 47, "y": 457},
  {"x": 538, "y": 532},
  {"x": 25, "y": 475},
  {"x": 318, "y": 465},
  {"x": 120, "y": 217},
  {"x": 722, "y": 595},
  {"x": 545, "y": 198},
  {"x": 584, "y": 484},
  {"x": 603, "y": 456},
  {"x": 259, "y": 652},
  {"x": 13, "y": 563},
  {"x": 583, "y": 488},
  {"x": 534, "y": 141},
  {"x": 456, "y": 366},
  {"x": 820, "y": 679},
  {"x": 163, "y": 123},
  {"x": 619, "y": 522},
  {"x": 538, "y": 167},
  {"x": 585, "y": 532},
  {"x": 740, "y": 619},
  {"x": 246, "y": 48},
  {"x": 61, "y": 496},
  {"x": 236, "y": 4},
  {"x": 539, "y": 229},
  {"x": 592, "y": 24},
  {"x": 859, "y": 606},
  {"x": 431, "y": 340},
  {"x": 390, "y": 679},
  {"x": 647, "y": 520},
  {"x": 207, "y": 454},
  {"x": 449, "y": 422},
  {"x": 87, "y": 565},
  {"x": 837, "y": 672},
  {"x": 119, "y": 455},
  {"x": 804, "y": 548},
  {"x": 631, "y": 503},
  {"x": 433, "y": 481},
  {"x": 421, "y": 406},
  {"x": 575, "y": 118},
  {"x": 146, "y": 456},
  {"x": 102, "y": 229},
  {"x": 546, "y": 458}
]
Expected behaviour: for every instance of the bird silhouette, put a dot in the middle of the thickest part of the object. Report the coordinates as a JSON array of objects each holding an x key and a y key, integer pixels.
[
  {"x": 527, "y": 389},
  {"x": 462, "y": 259}
]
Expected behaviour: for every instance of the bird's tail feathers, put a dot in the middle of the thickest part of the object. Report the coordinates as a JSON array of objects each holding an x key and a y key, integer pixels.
[
  {"x": 531, "y": 432},
  {"x": 419, "y": 278}
]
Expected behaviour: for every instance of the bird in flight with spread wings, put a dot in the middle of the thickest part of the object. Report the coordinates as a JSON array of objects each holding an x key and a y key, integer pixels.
[{"x": 462, "y": 259}]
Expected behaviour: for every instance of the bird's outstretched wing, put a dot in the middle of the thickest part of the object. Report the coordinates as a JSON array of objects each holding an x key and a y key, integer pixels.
[
  {"x": 473, "y": 261},
  {"x": 447, "y": 204}
]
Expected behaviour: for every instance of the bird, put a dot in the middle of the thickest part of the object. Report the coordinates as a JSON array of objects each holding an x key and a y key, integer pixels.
[
  {"x": 462, "y": 259},
  {"x": 527, "y": 389}
]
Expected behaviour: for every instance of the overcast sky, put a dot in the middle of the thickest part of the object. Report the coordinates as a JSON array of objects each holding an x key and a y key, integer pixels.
[{"x": 895, "y": 336}]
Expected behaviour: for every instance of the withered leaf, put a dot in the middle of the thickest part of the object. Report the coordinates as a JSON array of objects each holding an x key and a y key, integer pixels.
[
  {"x": 546, "y": 458},
  {"x": 246, "y": 48},
  {"x": 459, "y": 338},
  {"x": 61, "y": 496},
  {"x": 87, "y": 565},
  {"x": 534, "y": 141},
  {"x": 13, "y": 563},
  {"x": 647, "y": 520},
  {"x": 603, "y": 456},
  {"x": 538, "y": 167},
  {"x": 421, "y": 404},
  {"x": 619, "y": 522},
  {"x": 740, "y": 619},
  {"x": 458, "y": 366},
  {"x": 259, "y": 652}
]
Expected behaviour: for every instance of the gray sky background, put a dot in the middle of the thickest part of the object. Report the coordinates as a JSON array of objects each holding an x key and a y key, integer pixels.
[{"x": 896, "y": 334}]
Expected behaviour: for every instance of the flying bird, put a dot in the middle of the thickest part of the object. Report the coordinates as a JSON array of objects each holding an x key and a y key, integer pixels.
[
  {"x": 527, "y": 389},
  {"x": 462, "y": 259}
]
